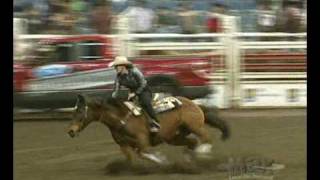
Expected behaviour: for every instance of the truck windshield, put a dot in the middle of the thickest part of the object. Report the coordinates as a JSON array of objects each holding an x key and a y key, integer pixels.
[
  {"x": 89, "y": 50},
  {"x": 65, "y": 52}
]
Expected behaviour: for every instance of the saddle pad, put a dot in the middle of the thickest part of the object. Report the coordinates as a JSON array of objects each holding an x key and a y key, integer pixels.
[
  {"x": 159, "y": 106},
  {"x": 136, "y": 110},
  {"x": 166, "y": 104}
]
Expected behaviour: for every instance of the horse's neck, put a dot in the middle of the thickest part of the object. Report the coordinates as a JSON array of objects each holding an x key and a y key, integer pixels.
[{"x": 114, "y": 121}]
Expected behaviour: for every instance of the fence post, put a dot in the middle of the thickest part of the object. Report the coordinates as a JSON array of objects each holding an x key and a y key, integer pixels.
[
  {"x": 232, "y": 49},
  {"x": 236, "y": 65},
  {"x": 126, "y": 43},
  {"x": 228, "y": 60}
]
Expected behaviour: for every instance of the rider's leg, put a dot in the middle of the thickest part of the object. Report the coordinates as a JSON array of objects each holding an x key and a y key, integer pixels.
[
  {"x": 145, "y": 99},
  {"x": 202, "y": 134}
]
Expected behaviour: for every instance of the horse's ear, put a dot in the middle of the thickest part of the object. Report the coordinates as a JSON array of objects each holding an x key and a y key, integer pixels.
[{"x": 81, "y": 99}]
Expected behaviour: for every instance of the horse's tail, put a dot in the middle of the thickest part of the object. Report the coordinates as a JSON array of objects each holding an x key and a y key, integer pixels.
[{"x": 212, "y": 119}]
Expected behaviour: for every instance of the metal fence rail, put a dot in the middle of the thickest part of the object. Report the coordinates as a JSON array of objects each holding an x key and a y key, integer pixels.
[{"x": 236, "y": 64}]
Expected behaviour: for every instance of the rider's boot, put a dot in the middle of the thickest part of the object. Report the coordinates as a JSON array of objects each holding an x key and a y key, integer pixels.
[{"x": 154, "y": 125}]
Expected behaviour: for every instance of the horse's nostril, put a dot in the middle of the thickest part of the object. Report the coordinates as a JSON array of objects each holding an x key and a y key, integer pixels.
[{"x": 71, "y": 133}]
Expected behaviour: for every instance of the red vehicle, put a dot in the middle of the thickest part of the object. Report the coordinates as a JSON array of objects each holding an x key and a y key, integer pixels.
[{"x": 63, "y": 67}]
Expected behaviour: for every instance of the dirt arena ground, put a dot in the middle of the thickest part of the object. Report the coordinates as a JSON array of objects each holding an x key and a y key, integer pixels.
[{"x": 43, "y": 151}]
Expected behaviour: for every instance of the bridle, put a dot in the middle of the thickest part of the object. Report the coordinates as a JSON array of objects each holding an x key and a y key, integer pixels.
[
  {"x": 86, "y": 111},
  {"x": 81, "y": 123}
]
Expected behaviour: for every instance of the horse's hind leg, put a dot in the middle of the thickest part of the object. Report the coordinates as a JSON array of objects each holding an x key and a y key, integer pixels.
[
  {"x": 190, "y": 142},
  {"x": 202, "y": 134},
  {"x": 183, "y": 140},
  {"x": 205, "y": 142}
]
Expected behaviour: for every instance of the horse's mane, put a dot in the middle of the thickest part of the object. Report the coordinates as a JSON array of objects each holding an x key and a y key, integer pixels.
[
  {"x": 104, "y": 101},
  {"x": 113, "y": 102}
]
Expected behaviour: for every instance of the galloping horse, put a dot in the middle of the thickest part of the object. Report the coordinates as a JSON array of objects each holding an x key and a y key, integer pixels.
[{"x": 132, "y": 134}]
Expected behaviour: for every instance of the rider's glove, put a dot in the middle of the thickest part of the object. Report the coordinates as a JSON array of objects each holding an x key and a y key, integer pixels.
[
  {"x": 131, "y": 96},
  {"x": 114, "y": 95}
]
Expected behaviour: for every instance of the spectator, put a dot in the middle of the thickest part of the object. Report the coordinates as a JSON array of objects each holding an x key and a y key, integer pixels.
[
  {"x": 166, "y": 21},
  {"x": 289, "y": 19},
  {"x": 56, "y": 15},
  {"x": 101, "y": 17},
  {"x": 187, "y": 18},
  {"x": 214, "y": 22},
  {"x": 304, "y": 19},
  {"x": 66, "y": 20},
  {"x": 55, "y": 7},
  {"x": 293, "y": 18},
  {"x": 80, "y": 9},
  {"x": 140, "y": 18},
  {"x": 43, "y": 7},
  {"x": 220, "y": 21},
  {"x": 266, "y": 17},
  {"x": 33, "y": 17},
  {"x": 220, "y": 15}
]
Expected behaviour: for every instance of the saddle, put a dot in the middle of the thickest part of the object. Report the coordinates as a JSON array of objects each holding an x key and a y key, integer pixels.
[{"x": 160, "y": 104}]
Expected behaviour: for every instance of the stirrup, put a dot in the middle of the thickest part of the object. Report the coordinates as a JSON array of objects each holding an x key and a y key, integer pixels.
[
  {"x": 154, "y": 129},
  {"x": 156, "y": 123}
]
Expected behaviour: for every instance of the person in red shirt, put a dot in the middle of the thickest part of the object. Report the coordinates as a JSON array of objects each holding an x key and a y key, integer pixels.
[
  {"x": 214, "y": 22},
  {"x": 213, "y": 25}
]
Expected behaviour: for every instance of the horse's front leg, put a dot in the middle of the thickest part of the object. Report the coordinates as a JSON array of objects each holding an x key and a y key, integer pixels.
[
  {"x": 126, "y": 149},
  {"x": 144, "y": 153},
  {"x": 128, "y": 152}
]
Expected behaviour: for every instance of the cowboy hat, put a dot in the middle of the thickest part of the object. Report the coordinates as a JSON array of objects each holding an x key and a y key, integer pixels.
[{"x": 120, "y": 60}]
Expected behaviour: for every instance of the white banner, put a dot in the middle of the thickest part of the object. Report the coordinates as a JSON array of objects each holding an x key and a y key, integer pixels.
[{"x": 262, "y": 95}]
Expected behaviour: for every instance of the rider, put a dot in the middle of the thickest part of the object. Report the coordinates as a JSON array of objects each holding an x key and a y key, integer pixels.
[{"x": 130, "y": 77}]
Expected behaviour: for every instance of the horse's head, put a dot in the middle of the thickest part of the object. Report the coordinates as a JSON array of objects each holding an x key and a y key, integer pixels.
[{"x": 83, "y": 114}]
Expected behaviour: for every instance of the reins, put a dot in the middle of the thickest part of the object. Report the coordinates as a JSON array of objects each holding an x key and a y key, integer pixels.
[{"x": 123, "y": 121}]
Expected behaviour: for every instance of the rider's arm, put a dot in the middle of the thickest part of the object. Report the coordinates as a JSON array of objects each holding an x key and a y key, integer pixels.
[
  {"x": 141, "y": 80},
  {"x": 116, "y": 88}
]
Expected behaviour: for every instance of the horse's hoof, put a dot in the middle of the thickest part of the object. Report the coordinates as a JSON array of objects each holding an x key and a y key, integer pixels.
[
  {"x": 73, "y": 134},
  {"x": 203, "y": 149},
  {"x": 163, "y": 158},
  {"x": 156, "y": 158}
]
